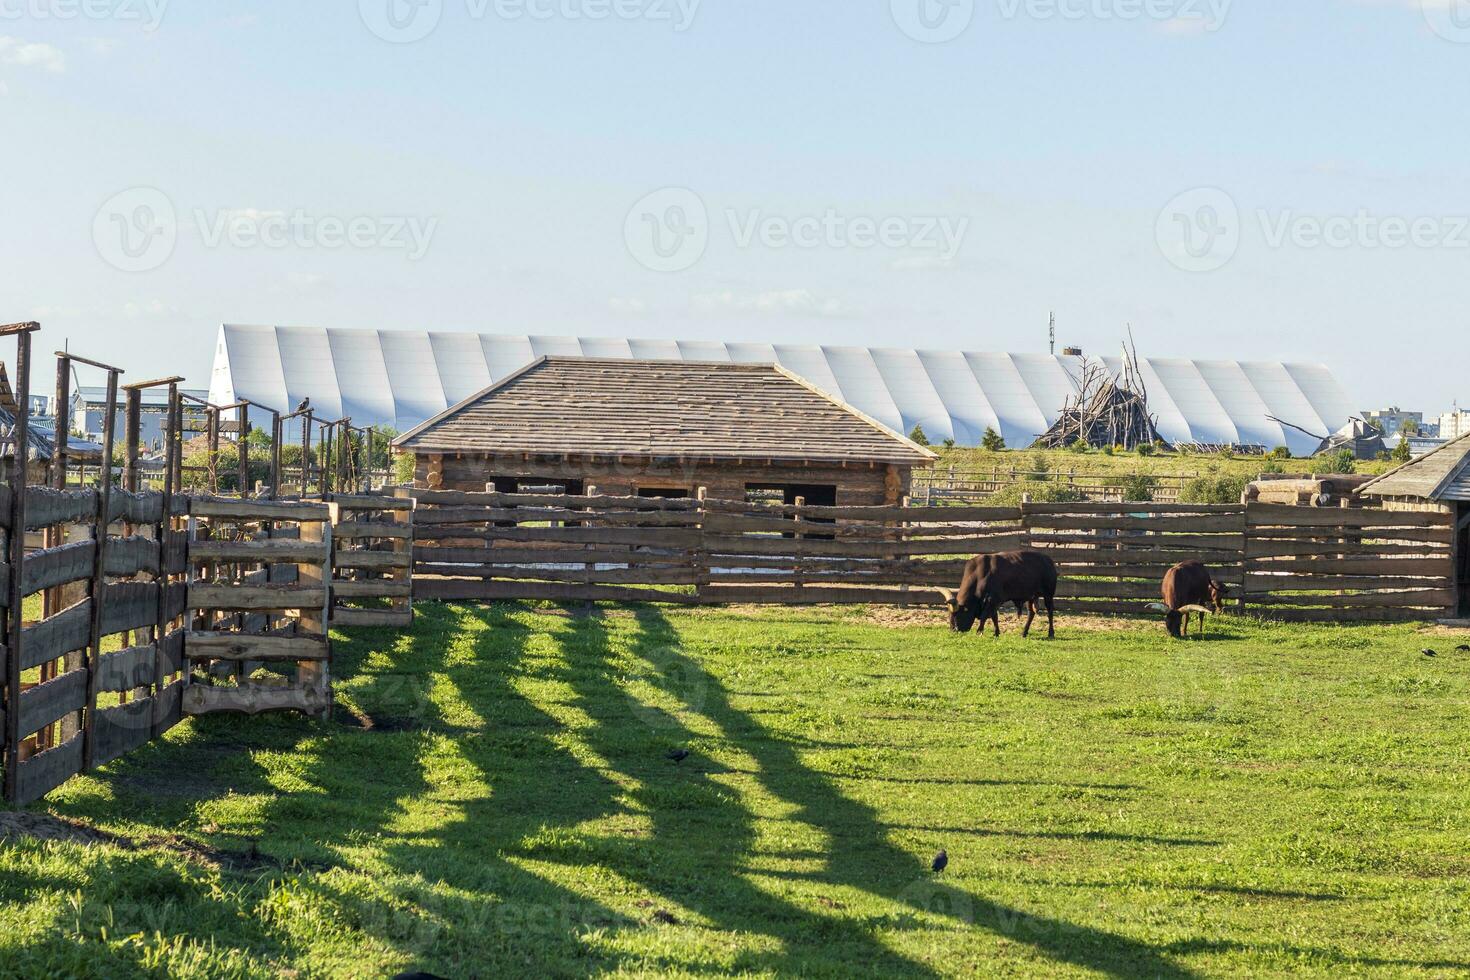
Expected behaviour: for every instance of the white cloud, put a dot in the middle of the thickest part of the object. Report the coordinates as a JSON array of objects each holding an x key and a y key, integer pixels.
[{"x": 30, "y": 54}]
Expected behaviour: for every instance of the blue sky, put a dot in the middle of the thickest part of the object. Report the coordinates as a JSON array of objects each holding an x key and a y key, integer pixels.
[{"x": 279, "y": 162}]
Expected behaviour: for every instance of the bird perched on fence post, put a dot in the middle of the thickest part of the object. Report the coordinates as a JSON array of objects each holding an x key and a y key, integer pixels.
[{"x": 941, "y": 861}]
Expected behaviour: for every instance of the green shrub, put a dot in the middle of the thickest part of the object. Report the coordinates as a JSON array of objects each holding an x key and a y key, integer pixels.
[
  {"x": 948, "y": 444},
  {"x": 1213, "y": 490},
  {"x": 992, "y": 440},
  {"x": 1080, "y": 446},
  {"x": 1038, "y": 492},
  {"x": 1402, "y": 453},
  {"x": 1146, "y": 449},
  {"x": 1342, "y": 461},
  {"x": 1138, "y": 487},
  {"x": 917, "y": 436},
  {"x": 1281, "y": 452}
]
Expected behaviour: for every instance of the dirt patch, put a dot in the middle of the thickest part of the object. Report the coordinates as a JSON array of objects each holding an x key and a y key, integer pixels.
[
  {"x": 21, "y": 824},
  {"x": 43, "y": 826},
  {"x": 898, "y": 617}
]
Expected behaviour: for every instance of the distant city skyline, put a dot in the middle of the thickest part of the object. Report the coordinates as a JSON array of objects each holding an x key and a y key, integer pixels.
[{"x": 1237, "y": 182}]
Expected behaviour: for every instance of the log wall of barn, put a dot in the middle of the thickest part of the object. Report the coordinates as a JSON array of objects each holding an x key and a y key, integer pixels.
[{"x": 858, "y": 484}]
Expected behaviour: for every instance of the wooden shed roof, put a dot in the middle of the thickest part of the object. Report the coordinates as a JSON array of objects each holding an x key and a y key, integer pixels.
[
  {"x": 583, "y": 406},
  {"x": 1441, "y": 475}
]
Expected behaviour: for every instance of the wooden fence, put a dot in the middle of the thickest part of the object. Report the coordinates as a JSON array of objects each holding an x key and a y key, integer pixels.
[{"x": 1285, "y": 562}]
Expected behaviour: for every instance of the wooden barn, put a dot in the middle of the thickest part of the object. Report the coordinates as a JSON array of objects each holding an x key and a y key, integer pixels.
[
  {"x": 1438, "y": 481},
  {"x": 663, "y": 429}
]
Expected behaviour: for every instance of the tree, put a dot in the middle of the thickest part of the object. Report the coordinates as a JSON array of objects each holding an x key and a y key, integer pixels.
[
  {"x": 917, "y": 436},
  {"x": 992, "y": 440},
  {"x": 1402, "y": 453}
]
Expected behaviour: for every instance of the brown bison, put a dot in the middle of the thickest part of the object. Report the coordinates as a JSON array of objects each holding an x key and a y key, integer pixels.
[
  {"x": 1190, "y": 588},
  {"x": 990, "y": 581}
]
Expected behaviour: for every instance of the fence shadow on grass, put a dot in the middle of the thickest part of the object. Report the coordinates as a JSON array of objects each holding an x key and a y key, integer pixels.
[{"x": 862, "y": 857}]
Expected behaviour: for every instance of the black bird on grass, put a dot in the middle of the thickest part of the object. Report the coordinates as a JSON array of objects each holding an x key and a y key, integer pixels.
[
  {"x": 677, "y": 756},
  {"x": 1428, "y": 652},
  {"x": 1463, "y": 648},
  {"x": 941, "y": 861}
]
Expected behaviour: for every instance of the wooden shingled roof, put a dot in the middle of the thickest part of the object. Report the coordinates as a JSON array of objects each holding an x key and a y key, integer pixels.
[
  {"x": 1441, "y": 475},
  {"x": 583, "y": 406}
]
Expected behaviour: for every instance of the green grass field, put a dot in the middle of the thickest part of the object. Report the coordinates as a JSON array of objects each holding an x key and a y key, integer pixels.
[{"x": 493, "y": 799}]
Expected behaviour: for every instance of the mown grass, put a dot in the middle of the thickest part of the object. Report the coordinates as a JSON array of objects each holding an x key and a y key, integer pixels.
[
  {"x": 1096, "y": 462},
  {"x": 1270, "y": 799}
]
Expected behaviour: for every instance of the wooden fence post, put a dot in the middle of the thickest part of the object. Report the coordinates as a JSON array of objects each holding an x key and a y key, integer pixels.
[
  {"x": 20, "y": 446},
  {"x": 102, "y": 525},
  {"x": 701, "y": 553}
]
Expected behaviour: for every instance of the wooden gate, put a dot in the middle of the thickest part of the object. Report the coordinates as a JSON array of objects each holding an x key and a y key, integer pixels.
[{"x": 258, "y": 603}]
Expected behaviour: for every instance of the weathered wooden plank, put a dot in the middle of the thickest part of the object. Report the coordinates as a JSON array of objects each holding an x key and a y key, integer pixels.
[
  {"x": 40, "y": 774},
  {"x": 259, "y": 510},
  {"x": 1440, "y": 536},
  {"x": 372, "y": 617},
  {"x": 45, "y": 507},
  {"x": 1090, "y": 508},
  {"x": 467, "y": 590},
  {"x": 201, "y": 645},
  {"x": 267, "y": 551},
  {"x": 1262, "y": 514},
  {"x": 363, "y": 530},
  {"x": 817, "y": 596},
  {"x": 57, "y": 635},
  {"x": 1218, "y": 543},
  {"x": 1258, "y": 582},
  {"x": 200, "y": 700},
  {"x": 136, "y": 508},
  {"x": 373, "y": 589},
  {"x": 175, "y": 600},
  {"x": 1438, "y": 567},
  {"x": 1434, "y": 598},
  {"x": 168, "y": 707},
  {"x": 120, "y": 729},
  {"x": 127, "y": 669},
  {"x": 727, "y": 545},
  {"x": 554, "y": 554},
  {"x": 129, "y": 556},
  {"x": 175, "y": 552},
  {"x": 1257, "y": 548},
  {"x": 350, "y": 502},
  {"x": 1102, "y": 589},
  {"x": 52, "y": 567},
  {"x": 129, "y": 605},
  {"x": 648, "y": 537},
  {"x": 255, "y": 597},
  {"x": 1181, "y": 524},
  {"x": 605, "y": 576},
  {"x": 376, "y": 560},
  {"x": 171, "y": 653},
  {"x": 51, "y": 700},
  {"x": 456, "y": 498}
]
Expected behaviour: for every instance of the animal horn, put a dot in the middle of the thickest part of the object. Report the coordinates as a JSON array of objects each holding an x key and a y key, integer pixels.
[{"x": 949, "y": 597}]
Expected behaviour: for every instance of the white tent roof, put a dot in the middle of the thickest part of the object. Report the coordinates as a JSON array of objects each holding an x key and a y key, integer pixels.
[{"x": 401, "y": 378}]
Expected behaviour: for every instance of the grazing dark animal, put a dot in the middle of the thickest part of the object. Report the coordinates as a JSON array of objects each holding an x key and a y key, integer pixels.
[
  {"x": 677, "y": 756},
  {"x": 941, "y": 861},
  {"x": 1463, "y": 648},
  {"x": 1187, "y": 584},
  {"x": 1022, "y": 577}
]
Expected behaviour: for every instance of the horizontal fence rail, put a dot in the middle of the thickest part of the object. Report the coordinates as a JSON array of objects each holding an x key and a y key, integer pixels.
[{"x": 1283, "y": 562}]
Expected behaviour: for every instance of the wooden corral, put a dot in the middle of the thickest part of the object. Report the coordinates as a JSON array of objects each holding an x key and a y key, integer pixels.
[
  {"x": 662, "y": 429},
  {"x": 1439, "y": 483},
  {"x": 1284, "y": 562}
]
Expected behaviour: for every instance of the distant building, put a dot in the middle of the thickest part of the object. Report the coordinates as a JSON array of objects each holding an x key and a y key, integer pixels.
[
  {"x": 89, "y": 408},
  {"x": 1392, "y": 420},
  {"x": 1453, "y": 425}
]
